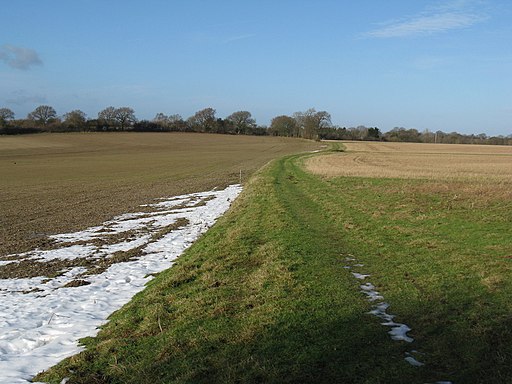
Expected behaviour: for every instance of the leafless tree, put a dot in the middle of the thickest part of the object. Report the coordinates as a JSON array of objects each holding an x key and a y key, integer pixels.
[
  {"x": 117, "y": 117},
  {"x": 125, "y": 116},
  {"x": 311, "y": 121},
  {"x": 5, "y": 115},
  {"x": 108, "y": 116},
  {"x": 204, "y": 120},
  {"x": 75, "y": 119},
  {"x": 161, "y": 118},
  {"x": 284, "y": 126},
  {"x": 42, "y": 114},
  {"x": 242, "y": 121}
]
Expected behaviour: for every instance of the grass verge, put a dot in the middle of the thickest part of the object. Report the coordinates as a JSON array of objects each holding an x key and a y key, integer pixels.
[{"x": 263, "y": 296}]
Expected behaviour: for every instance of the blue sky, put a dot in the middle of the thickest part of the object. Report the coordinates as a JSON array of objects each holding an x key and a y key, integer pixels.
[{"x": 437, "y": 65}]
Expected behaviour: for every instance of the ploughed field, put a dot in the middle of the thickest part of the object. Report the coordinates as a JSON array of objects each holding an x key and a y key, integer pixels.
[{"x": 55, "y": 183}]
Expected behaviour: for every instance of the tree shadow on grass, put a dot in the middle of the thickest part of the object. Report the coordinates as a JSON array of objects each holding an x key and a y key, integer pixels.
[{"x": 466, "y": 338}]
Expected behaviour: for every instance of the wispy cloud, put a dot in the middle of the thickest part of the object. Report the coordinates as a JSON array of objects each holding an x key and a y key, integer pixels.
[
  {"x": 430, "y": 62},
  {"x": 449, "y": 16},
  {"x": 239, "y": 37},
  {"x": 19, "y": 57},
  {"x": 21, "y": 97}
]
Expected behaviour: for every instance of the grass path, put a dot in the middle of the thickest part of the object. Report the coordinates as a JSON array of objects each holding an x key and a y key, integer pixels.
[{"x": 264, "y": 297}]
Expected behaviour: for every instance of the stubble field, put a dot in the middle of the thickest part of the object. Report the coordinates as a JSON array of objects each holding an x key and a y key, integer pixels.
[{"x": 452, "y": 162}]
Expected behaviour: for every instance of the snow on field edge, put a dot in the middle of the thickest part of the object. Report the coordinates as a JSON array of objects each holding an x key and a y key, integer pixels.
[{"x": 41, "y": 321}]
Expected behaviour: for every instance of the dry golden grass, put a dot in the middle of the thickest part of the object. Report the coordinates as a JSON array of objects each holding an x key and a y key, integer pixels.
[
  {"x": 418, "y": 161},
  {"x": 52, "y": 183}
]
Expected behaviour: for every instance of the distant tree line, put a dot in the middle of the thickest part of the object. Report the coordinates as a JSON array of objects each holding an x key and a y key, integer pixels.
[{"x": 309, "y": 124}]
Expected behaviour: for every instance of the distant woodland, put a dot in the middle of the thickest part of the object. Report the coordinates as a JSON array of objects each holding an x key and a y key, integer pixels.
[{"x": 309, "y": 124}]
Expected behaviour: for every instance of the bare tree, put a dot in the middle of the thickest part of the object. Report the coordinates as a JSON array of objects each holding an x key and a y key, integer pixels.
[
  {"x": 311, "y": 121},
  {"x": 161, "y": 118},
  {"x": 403, "y": 134},
  {"x": 108, "y": 116},
  {"x": 125, "y": 116},
  {"x": 361, "y": 132},
  {"x": 172, "y": 122},
  {"x": 75, "y": 119},
  {"x": 5, "y": 115},
  {"x": 242, "y": 121},
  {"x": 176, "y": 123},
  {"x": 175, "y": 118},
  {"x": 117, "y": 117},
  {"x": 42, "y": 114},
  {"x": 203, "y": 120},
  {"x": 284, "y": 126}
]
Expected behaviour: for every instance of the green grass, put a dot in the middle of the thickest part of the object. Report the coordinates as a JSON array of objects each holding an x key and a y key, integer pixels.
[{"x": 263, "y": 296}]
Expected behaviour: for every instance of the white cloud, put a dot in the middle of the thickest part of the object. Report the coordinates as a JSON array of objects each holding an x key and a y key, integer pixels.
[
  {"x": 19, "y": 57},
  {"x": 454, "y": 15}
]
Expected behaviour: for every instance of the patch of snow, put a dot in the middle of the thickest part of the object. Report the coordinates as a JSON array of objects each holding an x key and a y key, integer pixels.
[
  {"x": 398, "y": 331},
  {"x": 369, "y": 290},
  {"x": 415, "y": 363},
  {"x": 66, "y": 253},
  {"x": 412, "y": 360},
  {"x": 42, "y": 327},
  {"x": 125, "y": 246},
  {"x": 88, "y": 234},
  {"x": 359, "y": 276}
]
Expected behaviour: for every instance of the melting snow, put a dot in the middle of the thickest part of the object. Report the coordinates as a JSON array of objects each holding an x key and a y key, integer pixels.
[
  {"x": 360, "y": 276},
  {"x": 41, "y": 320},
  {"x": 398, "y": 331},
  {"x": 411, "y": 360}
]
